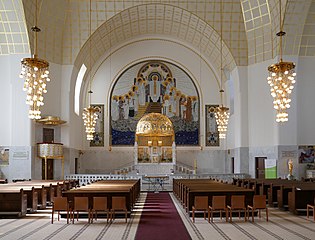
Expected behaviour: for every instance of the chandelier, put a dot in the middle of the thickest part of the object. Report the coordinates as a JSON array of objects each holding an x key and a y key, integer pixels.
[
  {"x": 35, "y": 72},
  {"x": 222, "y": 116},
  {"x": 90, "y": 113},
  {"x": 89, "y": 117},
  {"x": 281, "y": 80},
  {"x": 222, "y": 113}
]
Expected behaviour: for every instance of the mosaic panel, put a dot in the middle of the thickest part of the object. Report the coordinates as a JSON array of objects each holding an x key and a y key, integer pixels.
[{"x": 154, "y": 86}]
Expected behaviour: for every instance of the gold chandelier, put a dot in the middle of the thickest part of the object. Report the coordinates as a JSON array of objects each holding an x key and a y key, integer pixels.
[
  {"x": 222, "y": 116},
  {"x": 90, "y": 113},
  {"x": 222, "y": 113},
  {"x": 35, "y": 71},
  {"x": 281, "y": 81},
  {"x": 89, "y": 117}
]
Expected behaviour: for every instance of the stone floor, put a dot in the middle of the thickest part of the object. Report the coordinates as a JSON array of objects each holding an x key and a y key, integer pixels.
[{"x": 281, "y": 225}]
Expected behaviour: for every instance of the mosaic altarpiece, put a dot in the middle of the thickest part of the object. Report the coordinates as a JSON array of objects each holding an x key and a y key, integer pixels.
[
  {"x": 98, "y": 136},
  {"x": 154, "y": 86},
  {"x": 212, "y": 134}
]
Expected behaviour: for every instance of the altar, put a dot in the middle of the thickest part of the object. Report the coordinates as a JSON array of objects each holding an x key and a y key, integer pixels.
[{"x": 155, "y": 149}]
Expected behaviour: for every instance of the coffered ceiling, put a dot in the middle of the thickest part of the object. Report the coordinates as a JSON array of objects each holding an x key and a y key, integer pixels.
[{"x": 249, "y": 27}]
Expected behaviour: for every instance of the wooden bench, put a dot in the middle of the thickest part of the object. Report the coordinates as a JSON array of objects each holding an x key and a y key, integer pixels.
[
  {"x": 278, "y": 192},
  {"x": 130, "y": 189},
  {"x": 29, "y": 191},
  {"x": 13, "y": 202},
  {"x": 299, "y": 197},
  {"x": 38, "y": 188},
  {"x": 187, "y": 189},
  {"x": 275, "y": 185}
]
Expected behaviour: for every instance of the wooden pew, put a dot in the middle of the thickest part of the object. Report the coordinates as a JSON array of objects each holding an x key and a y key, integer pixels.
[
  {"x": 38, "y": 188},
  {"x": 274, "y": 185},
  {"x": 13, "y": 202},
  {"x": 29, "y": 191},
  {"x": 278, "y": 192},
  {"x": 299, "y": 197},
  {"x": 217, "y": 192},
  {"x": 187, "y": 189},
  {"x": 46, "y": 190},
  {"x": 107, "y": 188}
]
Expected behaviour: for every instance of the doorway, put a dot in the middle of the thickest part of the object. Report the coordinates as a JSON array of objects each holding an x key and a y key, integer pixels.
[
  {"x": 76, "y": 166},
  {"x": 260, "y": 167},
  {"x": 48, "y": 137},
  {"x": 232, "y": 165},
  {"x": 50, "y": 169}
]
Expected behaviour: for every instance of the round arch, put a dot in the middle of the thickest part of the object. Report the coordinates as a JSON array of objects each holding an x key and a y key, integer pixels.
[{"x": 194, "y": 32}]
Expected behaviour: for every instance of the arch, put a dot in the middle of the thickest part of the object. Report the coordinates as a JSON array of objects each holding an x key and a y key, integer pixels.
[{"x": 187, "y": 28}]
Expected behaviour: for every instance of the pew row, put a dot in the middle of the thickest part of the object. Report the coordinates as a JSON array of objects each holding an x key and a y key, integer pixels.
[
  {"x": 187, "y": 189},
  {"x": 300, "y": 197},
  {"x": 130, "y": 189},
  {"x": 13, "y": 203}
]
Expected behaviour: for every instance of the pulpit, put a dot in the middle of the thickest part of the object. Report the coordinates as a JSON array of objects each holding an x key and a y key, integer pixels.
[{"x": 50, "y": 151}]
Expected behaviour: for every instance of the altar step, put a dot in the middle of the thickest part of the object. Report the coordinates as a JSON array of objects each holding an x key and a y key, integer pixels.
[
  {"x": 141, "y": 111},
  {"x": 154, "y": 107}
]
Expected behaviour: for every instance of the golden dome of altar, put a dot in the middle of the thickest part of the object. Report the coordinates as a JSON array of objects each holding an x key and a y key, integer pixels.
[{"x": 155, "y": 124}]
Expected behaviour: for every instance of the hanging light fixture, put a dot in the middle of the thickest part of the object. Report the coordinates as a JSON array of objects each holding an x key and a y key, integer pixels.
[
  {"x": 90, "y": 113},
  {"x": 35, "y": 71},
  {"x": 281, "y": 81},
  {"x": 222, "y": 113},
  {"x": 89, "y": 118}
]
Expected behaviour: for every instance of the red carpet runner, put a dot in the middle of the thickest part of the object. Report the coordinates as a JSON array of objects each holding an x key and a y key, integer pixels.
[{"x": 160, "y": 219}]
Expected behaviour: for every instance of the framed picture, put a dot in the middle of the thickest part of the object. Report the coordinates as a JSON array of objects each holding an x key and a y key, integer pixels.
[
  {"x": 306, "y": 154},
  {"x": 212, "y": 134},
  {"x": 4, "y": 156},
  {"x": 98, "y": 136}
]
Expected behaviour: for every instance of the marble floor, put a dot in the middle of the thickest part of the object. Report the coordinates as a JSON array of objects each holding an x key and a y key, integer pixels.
[{"x": 281, "y": 225}]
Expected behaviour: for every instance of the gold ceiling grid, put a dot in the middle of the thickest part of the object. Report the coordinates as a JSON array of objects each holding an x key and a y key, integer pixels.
[
  {"x": 176, "y": 22},
  {"x": 308, "y": 38},
  {"x": 103, "y": 10},
  {"x": 295, "y": 13},
  {"x": 258, "y": 29},
  {"x": 64, "y": 25},
  {"x": 295, "y": 19},
  {"x": 52, "y": 34},
  {"x": 13, "y": 33},
  {"x": 29, "y": 10}
]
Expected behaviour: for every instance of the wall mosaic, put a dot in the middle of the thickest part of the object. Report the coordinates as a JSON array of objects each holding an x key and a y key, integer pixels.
[
  {"x": 98, "y": 136},
  {"x": 154, "y": 86},
  {"x": 4, "y": 156},
  {"x": 212, "y": 134},
  {"x": 306, "y": 154}
]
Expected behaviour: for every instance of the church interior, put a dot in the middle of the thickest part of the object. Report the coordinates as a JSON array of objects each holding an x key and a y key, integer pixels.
[{"x": 159, "y": 110}]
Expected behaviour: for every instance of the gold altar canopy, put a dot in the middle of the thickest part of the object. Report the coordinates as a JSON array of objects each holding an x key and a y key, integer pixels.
[
  {"x": 154, "y": 139},
  {"x": 155, "y": 129}
]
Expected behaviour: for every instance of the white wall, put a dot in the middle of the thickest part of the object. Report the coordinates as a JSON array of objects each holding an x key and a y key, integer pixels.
[
  {"x": 261, "y": 115},
  {"x": 52, "y": 99},
  {"x": 21, "y": 134},
  {"x": 5, "y": 101},
  {"x": 305, "y": 86},
  {"x": 15, "y": 126}
]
